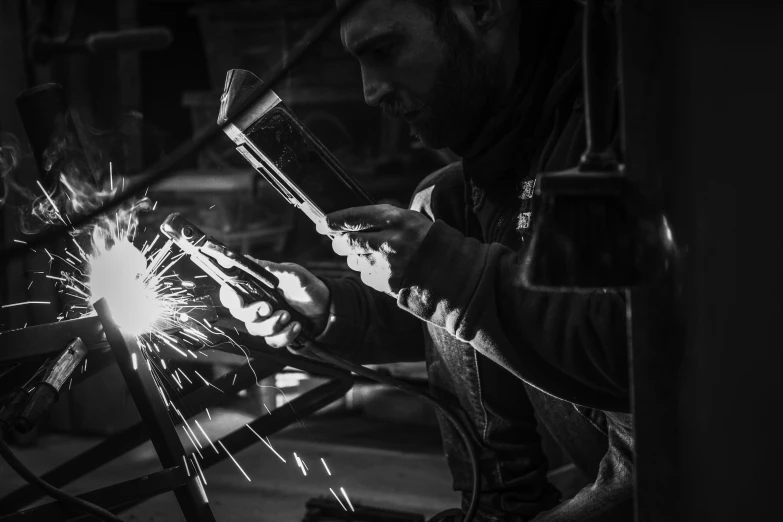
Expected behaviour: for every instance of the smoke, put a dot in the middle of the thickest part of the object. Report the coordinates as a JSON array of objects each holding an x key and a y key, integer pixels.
[
  {"x": 78, "y": 179},
  {"x": 10, "y": 158}
]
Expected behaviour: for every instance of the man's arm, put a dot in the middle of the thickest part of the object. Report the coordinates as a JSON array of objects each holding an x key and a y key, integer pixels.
[
  {"x": 572, "y": 346},
  {"x": 368, "y": 327}
]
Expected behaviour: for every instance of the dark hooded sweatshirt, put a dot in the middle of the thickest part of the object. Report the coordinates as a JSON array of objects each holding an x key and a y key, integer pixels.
[
  {"x": 464, "y": 284},
  {"x": 466, "y": 277}
]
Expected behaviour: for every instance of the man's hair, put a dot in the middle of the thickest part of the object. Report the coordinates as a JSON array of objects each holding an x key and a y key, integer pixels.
[{"x": 440, "y": 13}]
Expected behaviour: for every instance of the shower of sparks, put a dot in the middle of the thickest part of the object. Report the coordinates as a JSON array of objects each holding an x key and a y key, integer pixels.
[
  {"x": 198, "y": 467},
  {"x": 207, "y": 382},
  {"x": 206, "y": 436},
  {"x": 338, "y": 499},
  {"x": 326, "y": 467},
  {"x": 186, "y": 377},
  {"x": 235, "y": 460},
  {"x": 347, "y": 499},
  {"x": 267, "y": 443},
  {"x": 300, "y": 464},
  {"x": 25, "y": 303},
  {"x": 54, "y": 206},
  {"x": 192, "y": 442}
]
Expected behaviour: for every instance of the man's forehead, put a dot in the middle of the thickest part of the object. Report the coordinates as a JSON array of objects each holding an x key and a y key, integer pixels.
[{"x": 372, "y": 18}]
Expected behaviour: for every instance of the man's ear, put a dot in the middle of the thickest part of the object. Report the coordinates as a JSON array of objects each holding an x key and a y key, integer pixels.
[{"x": 488, "y": 12}]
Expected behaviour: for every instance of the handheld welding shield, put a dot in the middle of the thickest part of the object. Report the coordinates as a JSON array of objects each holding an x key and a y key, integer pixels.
[
  {"x": 285, "y": 152},
  {"x": 248, "y": 279}
]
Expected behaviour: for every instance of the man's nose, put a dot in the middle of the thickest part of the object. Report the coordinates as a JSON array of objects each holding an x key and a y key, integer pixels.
[{"x": 375, "y": 86}]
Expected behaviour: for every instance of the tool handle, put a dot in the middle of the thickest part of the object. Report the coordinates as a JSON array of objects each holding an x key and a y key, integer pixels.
[
  {"x": 43, "y": 396},
  {"x": 251, "y": 291}
]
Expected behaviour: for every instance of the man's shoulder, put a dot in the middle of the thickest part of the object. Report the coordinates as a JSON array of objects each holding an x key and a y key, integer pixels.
[{"x": 441, "y": 195}]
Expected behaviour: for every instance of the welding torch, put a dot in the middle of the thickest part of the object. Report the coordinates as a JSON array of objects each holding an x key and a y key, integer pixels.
[
  {"x": 252, "y": 282},
  {"x": 248, "y": 279},
  {"x": 25, "y": 405}
]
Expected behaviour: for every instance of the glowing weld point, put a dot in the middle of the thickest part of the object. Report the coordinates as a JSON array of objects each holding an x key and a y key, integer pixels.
[
  {"x": 135, "y": 364},
  {"x": 347, "y": 499},
  {"x": 327, "y": 467},
  {"x": 235, "y": 461},
  {"x": 183, "y": 318},
  {"x": 338, "y": 499},
  {"x": 198, "y": 467}
]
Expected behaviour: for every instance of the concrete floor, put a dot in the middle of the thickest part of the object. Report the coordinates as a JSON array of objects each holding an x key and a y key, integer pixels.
[{"x": 379, "y": 464}]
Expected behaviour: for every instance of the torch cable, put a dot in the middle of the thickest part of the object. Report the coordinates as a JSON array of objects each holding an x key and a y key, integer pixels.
[
  {"x": 76, "y": 503},
  {"x": 464, "y": 432}
]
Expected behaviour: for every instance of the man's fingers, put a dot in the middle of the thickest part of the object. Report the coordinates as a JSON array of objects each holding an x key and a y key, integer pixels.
[
  {"x": 357, "y": 243},
  {"x": 229, "y": 298},
  {"x": 271, "y": 325},
  {"x": 356, "y": 219},
  {"x": 285, "y": 336}
]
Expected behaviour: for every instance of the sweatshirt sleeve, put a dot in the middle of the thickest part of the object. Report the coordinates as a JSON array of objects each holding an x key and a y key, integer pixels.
[
  {"x": 570, "y": 345},
  {"x": 367, "y": 327}
]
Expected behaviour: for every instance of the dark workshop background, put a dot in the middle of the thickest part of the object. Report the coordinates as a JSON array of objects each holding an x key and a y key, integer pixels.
[{"x": 702, "y": 93}]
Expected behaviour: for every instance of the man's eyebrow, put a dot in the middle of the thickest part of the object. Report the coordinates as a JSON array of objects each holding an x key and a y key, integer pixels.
[{"x": 378, "y": 35}]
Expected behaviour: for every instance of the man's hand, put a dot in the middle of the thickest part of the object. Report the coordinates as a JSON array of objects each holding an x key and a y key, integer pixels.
[
  {"x": 379, "y": 241},
  {"x": 303, "y": 291}
]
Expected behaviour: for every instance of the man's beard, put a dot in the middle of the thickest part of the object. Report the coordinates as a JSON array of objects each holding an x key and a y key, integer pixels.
[{"x": 465, "y": 84}]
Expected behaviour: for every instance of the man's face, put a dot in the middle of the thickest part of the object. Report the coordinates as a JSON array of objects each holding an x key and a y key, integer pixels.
[{"x": 438, "y": 79}]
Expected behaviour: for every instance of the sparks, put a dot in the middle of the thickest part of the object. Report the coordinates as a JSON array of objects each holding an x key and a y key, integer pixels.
[
  {"x": 206, "y": 436},
  {"x": 111, "y": 176},
  {"x": 207, "y": 410},
  {"x": 198, "y": 467},
  {"x": 267, "y": 443},
  {"x": 26, "y": 303},
  {"x": 54, "y": 207},
  {"x": 326, "y": 467},
  {"x": 135, "y": 364},
  {"x": 346, "y": 498},
  {"x": 213, "y": 206},
  {"x": 235, "y": 460},
  {"x": 338, "y": 499},
  {"x": 185, "y": 460},
  {"x": 20, "y": 241}
]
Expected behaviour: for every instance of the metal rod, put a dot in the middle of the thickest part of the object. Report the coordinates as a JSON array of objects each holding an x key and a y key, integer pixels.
[{"x": 191, "y": 497}]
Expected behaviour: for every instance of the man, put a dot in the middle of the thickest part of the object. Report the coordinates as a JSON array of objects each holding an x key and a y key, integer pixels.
[{"x": 499, "y": 83}]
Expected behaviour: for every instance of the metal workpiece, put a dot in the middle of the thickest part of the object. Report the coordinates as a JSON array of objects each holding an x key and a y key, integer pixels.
[{"x": 191, "y": 497}]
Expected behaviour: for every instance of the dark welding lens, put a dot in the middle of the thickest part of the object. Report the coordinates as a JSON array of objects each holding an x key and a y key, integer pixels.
[{"x": 187, "y": 232}]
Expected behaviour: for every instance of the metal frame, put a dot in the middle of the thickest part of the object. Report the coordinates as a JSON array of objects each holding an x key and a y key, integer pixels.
[{"x": 157, "y": 426}]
